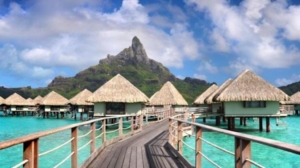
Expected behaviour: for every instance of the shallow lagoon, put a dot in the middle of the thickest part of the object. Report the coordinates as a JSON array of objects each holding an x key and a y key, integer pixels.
[{"x": 17, "y": 126}]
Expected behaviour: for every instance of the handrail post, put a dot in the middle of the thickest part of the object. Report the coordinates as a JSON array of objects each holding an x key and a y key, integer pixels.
[
  {"x": 74, "y": 149},
  {"x": 103, "y": 131},
  {"x": 179, "y": 140},
  {"x": 242, "y": 152},
  {"x": 132, "y": 124},
  {"x": 147, "y": 117},
  {"x": 198, "y": 147},
  {"x": 93, "y": 130},
  {"x": 30, "y": 153},
  {"x": 170, "y": 130},
  {"x": 141, "y": 122},
  {"x": 120, "y": 127},
  {"x": 193, "y": 120}
]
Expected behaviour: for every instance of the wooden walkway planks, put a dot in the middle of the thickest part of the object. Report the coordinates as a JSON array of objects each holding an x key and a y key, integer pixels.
[{"x": 143, "y": 150}]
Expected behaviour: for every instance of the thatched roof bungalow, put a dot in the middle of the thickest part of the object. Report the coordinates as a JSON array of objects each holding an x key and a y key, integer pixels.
[
  {"x": 1, "y": 100},
  {"x": 16, "y": 103},
  {"x": 292, "y": 105},
  {"x": 117, "y": 96},
  {"x": 37, "y": 100},
  {"x": 54, "y": 102},
  {"x": 250, "y": 95},
  {"x": 201, "y": 98},
  {"x": 168, "y": 95},
  {"x": 79, "y": 101}
]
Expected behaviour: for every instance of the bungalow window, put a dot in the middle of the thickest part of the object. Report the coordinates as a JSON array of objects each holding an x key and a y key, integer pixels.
[
  {"x": 19, "y": 107},
  {"x": 254, "y": 104},
  {"x": 115, "y": 108}
]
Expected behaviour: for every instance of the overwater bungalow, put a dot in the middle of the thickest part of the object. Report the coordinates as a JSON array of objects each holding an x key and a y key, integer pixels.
[
  {"x": 1, "y": 103},
  {"x": 32, "y": 108},
  {"x": 118, "y": 97},
  {"x": 248, "y": 95},
  {"x": 79, "y": 104},
  {"x": 200, "y": 100},
  {"x": 292, "y": 105},
  {"x": 15, "y": 104},
  {"x": 54, "y": 103},
  {"x": 217, "y": 107},
  {"x": 37, "y": 100},
  {"x": 168, "y": 95}
]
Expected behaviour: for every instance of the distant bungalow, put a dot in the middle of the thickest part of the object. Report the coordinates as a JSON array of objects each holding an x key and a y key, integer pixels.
[
  {"x": 16, "y": 104},
  {"x": 118, "y": 97},
  {"x": 54, "y": 103},
  {"x": 248, "y": 95},
  {"x": 79, "y": 103},
  {"x": 38, "y": 100},
  {"x": 200, "y": 100},
  {"x": 31, "y": 106},
  {"x": 168, "y": 95},
  {"x": 1, "y": 103},
  {"x": 217, "y": 107},
  {"x": 292, "y": 104}
]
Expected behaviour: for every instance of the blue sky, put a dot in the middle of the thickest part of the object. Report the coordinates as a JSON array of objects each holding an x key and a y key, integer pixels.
[{"x": 212, "y": 40}]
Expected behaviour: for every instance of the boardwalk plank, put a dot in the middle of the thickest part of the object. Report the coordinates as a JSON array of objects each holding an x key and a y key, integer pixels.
[
  {"x": 143, "y": 150},
  {"x": 126, "y": 162},
  {"x": 139, "y": 158}
]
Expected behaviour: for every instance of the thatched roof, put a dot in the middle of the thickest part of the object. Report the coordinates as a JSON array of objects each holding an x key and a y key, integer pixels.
[
  {"x": 54, "y": 99},
  {"x": 200, "y": 99},
  {"x": 118, "y": 89},
  {"x": 294, "y": 99},
  {"x": 81, "y": 97},
  {"x": 38, "y": 100},
  {"x": 250, "y": 87},
  {"x": 168, "y": 95},
  {"x": 1, "y": 100},
  {"x": 30, "y": 101},
  {"x": 210, "y": 99},
  {"x": 15, "y": 100}
]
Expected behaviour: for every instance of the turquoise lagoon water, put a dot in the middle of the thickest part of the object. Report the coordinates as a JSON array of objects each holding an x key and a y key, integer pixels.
[
  {"x": 13, "y": 127},
  {"x": 262, "y": 154}
]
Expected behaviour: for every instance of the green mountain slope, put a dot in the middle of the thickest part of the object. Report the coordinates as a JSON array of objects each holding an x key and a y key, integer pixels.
[
  {"x": 133, "y": 63},
  {"x": 291, "y": 88}
]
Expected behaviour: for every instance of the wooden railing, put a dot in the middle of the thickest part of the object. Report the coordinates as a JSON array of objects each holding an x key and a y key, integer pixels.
[
  {"x": 31, "y": 146},
  {"x": 242, "y": 148}
]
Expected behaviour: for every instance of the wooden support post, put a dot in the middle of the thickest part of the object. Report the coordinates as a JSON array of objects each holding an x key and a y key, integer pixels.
[
  {"x": 245, "y": 121},
  {"x": 93, "y": 143},
  {"x": 57, "y": 115},
  {"x": 75, "y": 115},
  {"x": 241, "y": 120},
  {"x": 217, "y": 120},
  {"x": 179, "y": 134},
  {"x": 74, "y": 147},
  {"x": 242, "y": 152},
  {"x": 120, "y": 127},
  {"x": 229, "y": 123},
  {"x": 44, "y": 113},
  {"x": 81, "y": 116},
  {"x": 268, "y": 127},
  {"x": 224, "y": 119},
  {"x": 204, "y": 119},
  {"x": 193, "y": 120},
  {"x": 103, "y": 131},
  {"x": 260, "y": 123},
  {"x": 198, "y": 147},
  {"x": 232, "y": 124},
  {"x": 30, "y": 153}
]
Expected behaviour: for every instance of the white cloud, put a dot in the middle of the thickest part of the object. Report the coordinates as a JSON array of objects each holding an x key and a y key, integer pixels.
[
  {"x": 208, "y": 67},
  {"x": 77, "y": 35},
  {"x": 256, "y": 31},
  {"x": 200, "y": 76},
  {"x": 286, "y": 81}
]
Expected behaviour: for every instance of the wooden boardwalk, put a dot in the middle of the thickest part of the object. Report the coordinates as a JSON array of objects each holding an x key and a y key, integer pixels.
[{"x": 143, "y": 150}]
